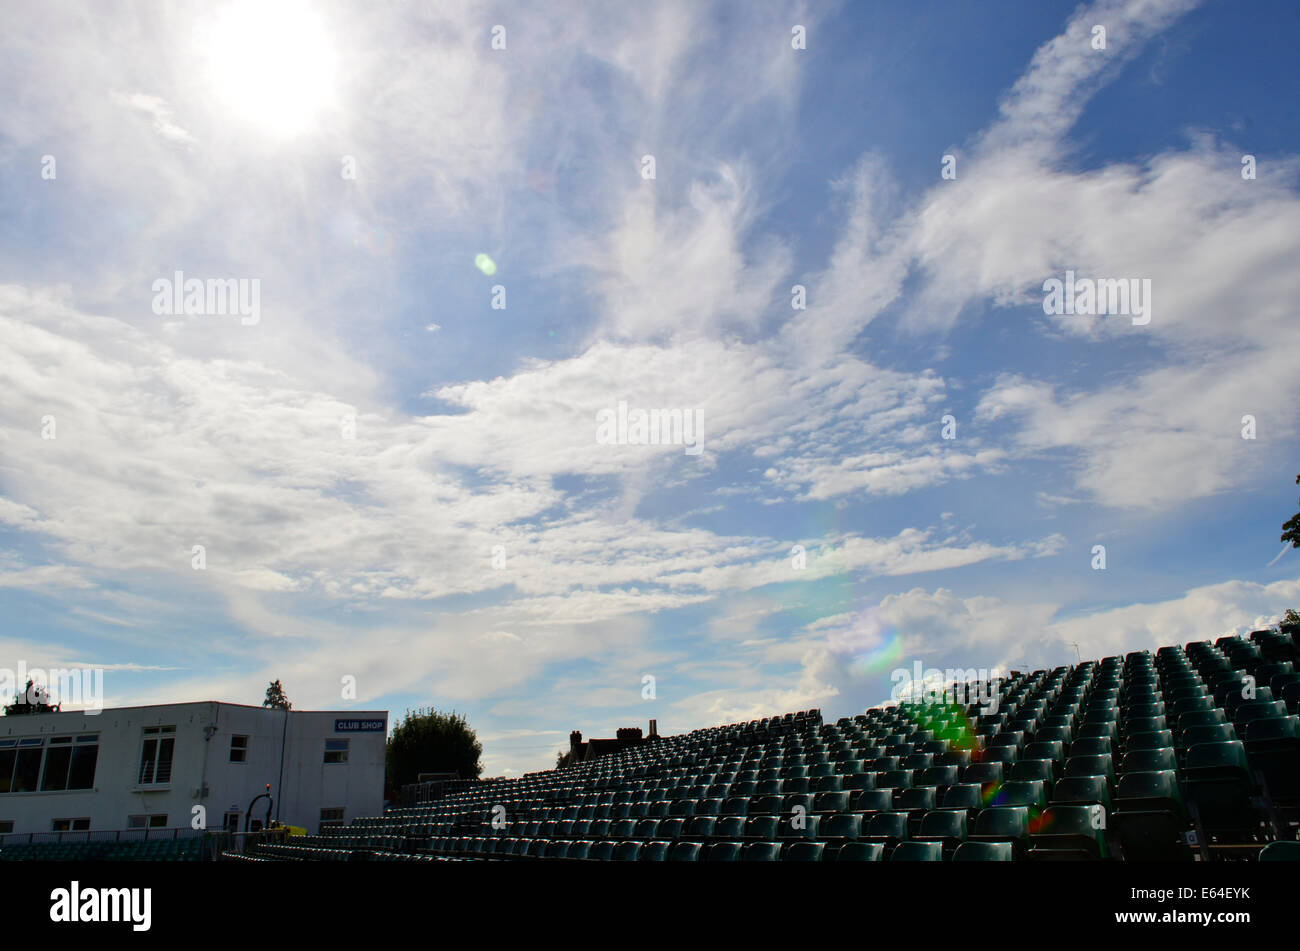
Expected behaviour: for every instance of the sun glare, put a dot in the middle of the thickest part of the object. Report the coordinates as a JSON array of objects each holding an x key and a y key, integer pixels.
[{"x": 272, "y": 63}]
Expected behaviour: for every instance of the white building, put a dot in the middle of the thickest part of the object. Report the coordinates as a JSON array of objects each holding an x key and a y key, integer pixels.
[{"x": 148, "y": 767}]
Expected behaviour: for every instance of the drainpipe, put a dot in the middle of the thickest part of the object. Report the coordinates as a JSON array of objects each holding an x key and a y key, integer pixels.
[
  {"x": 209, "y": 732},
  {"x": 279, "y": 783}
]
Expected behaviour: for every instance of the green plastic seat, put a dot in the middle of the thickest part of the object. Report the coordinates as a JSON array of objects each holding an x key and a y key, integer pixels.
[
  {"x": 1003, "y": 824},
  {"x": 1280, "y": 852},
  {"x": 762, "y": 852},
  {"x": 984, "y": 852},
  {"x": 684, "y": 852},
  {"x": 1069, "y": 832},
  {"x": 861, "y": 852},
  {"x": 723, "y": 852},
  {"x": 656, "y": 851},
  {"x": 803, "y": 852},
  {"x": 914, "y": 851}
]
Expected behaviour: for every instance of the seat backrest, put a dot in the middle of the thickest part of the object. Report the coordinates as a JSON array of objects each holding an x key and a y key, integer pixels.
[
  {"x": 983, "y": 773},
  {"x": 1144, "y": 761},
  {"x": 803, "y": 852},
  {"x": 1215, "y": 733},
  {"x": 943, "y": 824},
  {"x": 1225, "y": 756},
  {"x": 913, "y": 851},
  {"x": 1152, "y": 740},
  {"x": 892, "y": 825},
  {"x": 723, "y": 852},
  {"x": 702, "y": 827},
  {"x": 1153, "y": 784},
  {"x": 1044, "y": 749},
  {"x": 963, "y": 796},
  {"x": 1021, "y": 793},
  {"x": 1200, "y": 718},
  {"x": 1260, "y": 709},
  {"x": 1082, "y": 789},
  {"x": 872, "y": 800},
  {"x": 1091, "y": 746},
  {"x": 861, "y": 852},
  {"x": 842, "y": 826},
  {"x": 938, "y": 776},
  {"x": 1040, "y": 769},
  {"x": 762, "y": 852},
  {"x": 984, "y": 852},
  {"x": 1280, "y": 852},
  {"x": 917, "y": 797},
  {"x": 684, "y": 852},
  {"x": 894, "y": 779},
  {"x": 1009, "y": 822},
  {"x": 1096, "y": 765},
  {"x": 1273, "y": 728},
  {"x": 736, "y": 806},
  {"x": 1086, "y": 821},
  {"x": 1144, "y": 724}
]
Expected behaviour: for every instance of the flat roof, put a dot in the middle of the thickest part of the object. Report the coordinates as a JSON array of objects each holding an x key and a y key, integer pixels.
[{"x": 194, "y": 703}]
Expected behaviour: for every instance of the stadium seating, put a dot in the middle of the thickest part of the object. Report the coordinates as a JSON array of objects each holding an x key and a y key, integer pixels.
[
  {"x": 1190, "y": 753},
  {"x": 187, "y": 849}
]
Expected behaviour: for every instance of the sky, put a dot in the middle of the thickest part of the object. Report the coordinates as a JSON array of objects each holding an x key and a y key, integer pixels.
[{"x": 465, "y": 232}]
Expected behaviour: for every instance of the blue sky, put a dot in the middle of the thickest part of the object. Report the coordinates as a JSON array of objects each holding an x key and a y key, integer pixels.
[{"x": 215, "y": 143}]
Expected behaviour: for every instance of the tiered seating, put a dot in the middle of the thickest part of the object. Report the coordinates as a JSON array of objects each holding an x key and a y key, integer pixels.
[
  {"x": 1188, "y": 754},
  {"x": 189, "y": 849}
]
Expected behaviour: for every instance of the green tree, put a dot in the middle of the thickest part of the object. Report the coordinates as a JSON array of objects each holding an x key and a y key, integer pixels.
[
  {"x": 275, "y": 698},
  {"x": 1291, "y": 528},
  {"x": 1290, "y": 621},
  {"x": 429, "y": 741},
  {"x": 33, "y": 699}
]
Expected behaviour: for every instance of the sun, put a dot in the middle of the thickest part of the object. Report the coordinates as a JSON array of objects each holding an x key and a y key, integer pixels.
[{"x": 271, "y": 63}]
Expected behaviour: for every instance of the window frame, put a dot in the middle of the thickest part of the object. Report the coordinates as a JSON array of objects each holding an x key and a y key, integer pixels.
[
  {"x": 339, "y": 750},
  {"x": 162, "y": 738}
]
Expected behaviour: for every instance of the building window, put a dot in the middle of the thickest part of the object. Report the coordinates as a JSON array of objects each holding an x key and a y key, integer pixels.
[
  {"x": 67, "y": 762},
  {"x": 232, "y": 822},
  {"x": 239, "y": 749},
  {"x": 8, "y": 756},
  {"x": 336, "y": 751},
  {"x": 57, "y": 759},
  {"x": 6, "y": 826},
  {"x": 85, "y": 754},
  {"x": 70, "y": 825},
  {"x": 156, "y": 755},
  {"x": 27, "y": 767},
  {"x": 154, "y": 820},
  {"x": 331, "y": 818}
]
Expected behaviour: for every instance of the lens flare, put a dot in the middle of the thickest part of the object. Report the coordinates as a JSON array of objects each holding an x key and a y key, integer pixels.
[
  {"x": 485, "y": 264},
  {"x": 879, "y": 659}
]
